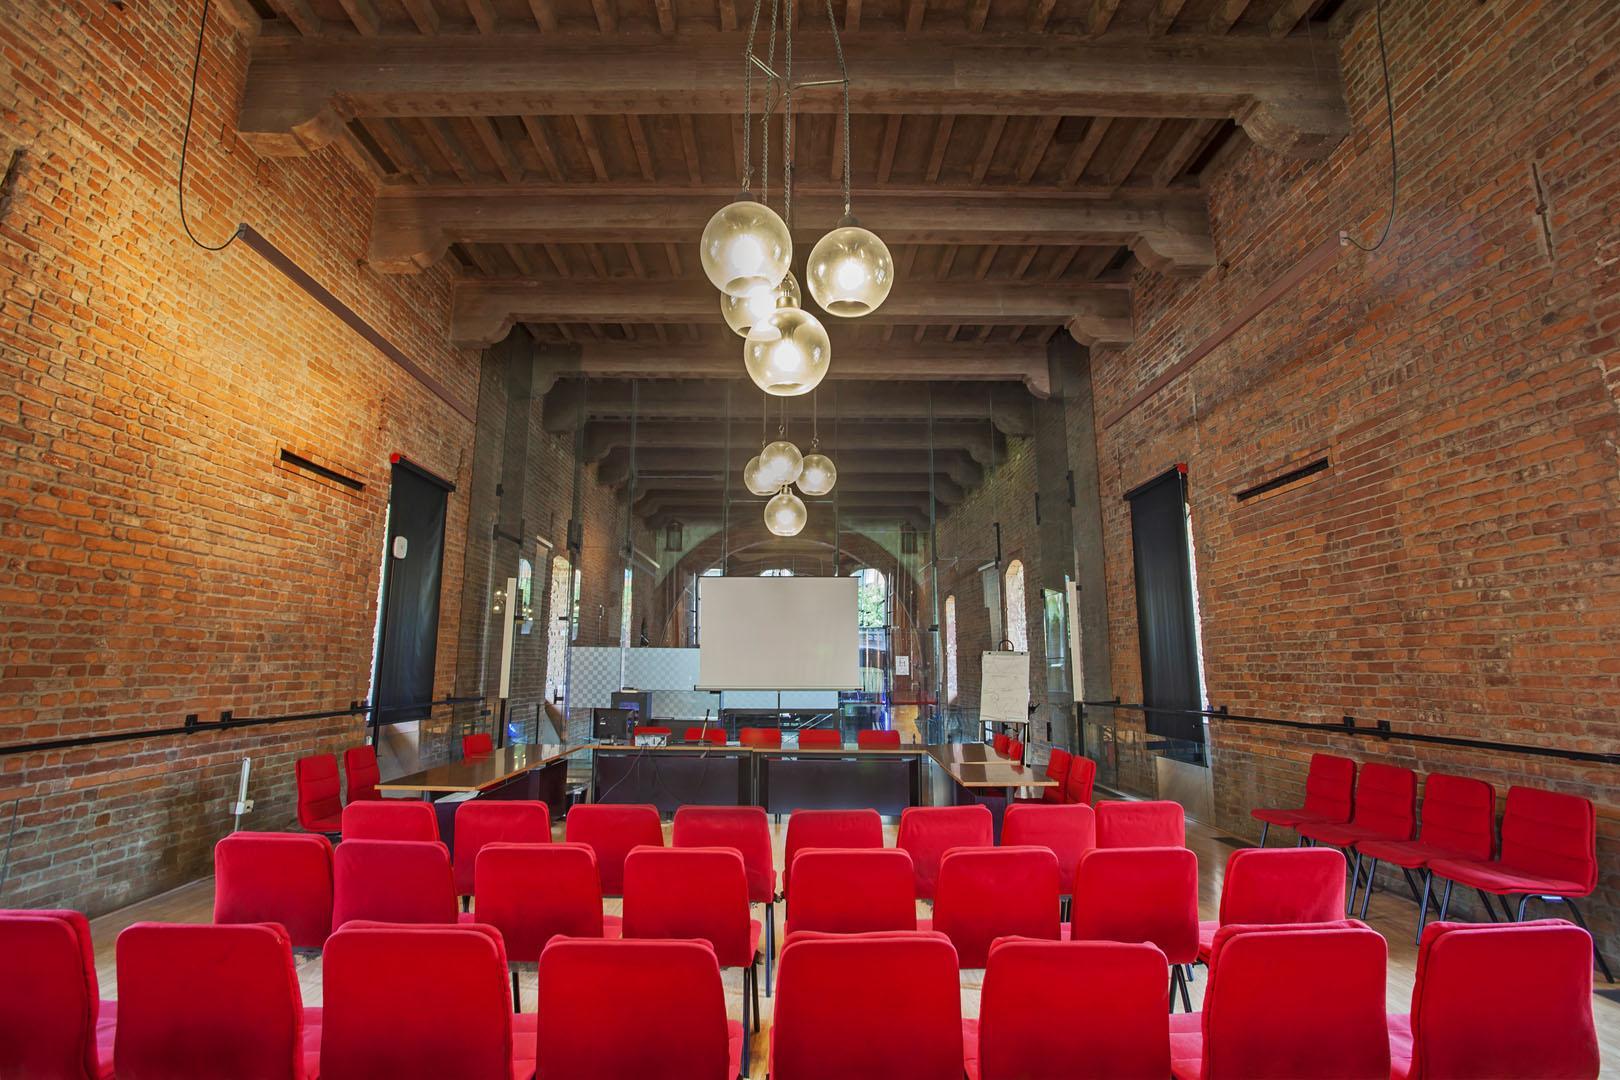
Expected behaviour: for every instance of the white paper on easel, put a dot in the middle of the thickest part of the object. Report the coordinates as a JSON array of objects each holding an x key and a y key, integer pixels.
[{"x": 1004, "y": 688}]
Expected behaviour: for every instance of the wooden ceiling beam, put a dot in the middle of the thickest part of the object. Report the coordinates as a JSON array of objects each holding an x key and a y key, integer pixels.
[
  {"x": 977, "y": 439},
  {"x": 1286, "y": 93},
  {"x": 955, "y": 465}
]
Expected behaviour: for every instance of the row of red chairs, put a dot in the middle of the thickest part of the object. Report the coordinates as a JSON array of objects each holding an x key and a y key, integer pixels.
[
  {"x": 1548, "y": 847},
  {"x": 223, "y": 1001},
  {"x": 320, "y": 797},
  {"x": 771, "y": 738}
]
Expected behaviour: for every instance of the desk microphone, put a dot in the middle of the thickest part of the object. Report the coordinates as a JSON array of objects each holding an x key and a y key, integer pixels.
[{"x": 702, "y": 737}]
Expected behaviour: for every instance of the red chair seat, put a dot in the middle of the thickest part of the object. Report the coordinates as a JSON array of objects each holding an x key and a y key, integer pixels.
[
  {"x": 107, "y": 1029},
  {"x": 1341, "y": 835},
  {"x": 1493, "y": 877},
  {"x": 311, "y": 1047},
  {"x": 331, "y": 825},
  {"x": 1206, "y": 938},
  {"x": 1290, "y": 817},
  {"x": 1412, "y": 854},
  {"x": 1186, "y": 1045},
  {"x": 1400, "y": 1046},
  {"x": 970, "y": 1049}
]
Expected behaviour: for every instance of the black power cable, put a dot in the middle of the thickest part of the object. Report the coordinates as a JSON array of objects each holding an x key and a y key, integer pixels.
[
  {"x": 185, "y": 142},
  {"x": 1394, "y": 161}
]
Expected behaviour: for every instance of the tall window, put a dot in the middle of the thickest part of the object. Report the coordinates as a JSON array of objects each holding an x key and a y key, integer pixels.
[
  {"x": 559, "y": 609},
  {"x": 624, "y": 610},
  {"x": 950, "y": 648},
  {"x": 1017, "y": 622}
]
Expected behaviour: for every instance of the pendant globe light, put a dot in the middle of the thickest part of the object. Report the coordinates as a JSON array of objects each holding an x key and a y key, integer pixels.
[
  {"x": 787, "y": 354},
  {"x": 746, "y": 247},
  {"x": 785, "y": 515},
  {"x": 780, "y": 464},
  {"x": 742, "y": 312},
  {"x": 754, "y": 479}
]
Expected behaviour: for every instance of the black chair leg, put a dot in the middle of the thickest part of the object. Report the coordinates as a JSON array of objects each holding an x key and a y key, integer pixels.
[
  {"x": 1445, "y": 901},
  {"x": 1410, "y": 884},
  {"x": 1178, "y": 981},
  {"x": 1507, "y": 911},
  {"x": 1366, "y": 890},
  {"x": 1490, "y": 908},
  {"x": 1355, "y": 880},
  {"x": 1264, "y": 827},
  {"x": 1602, "y": 964},
  {"x": 1423, "y": 906},
  {"x": 754, "y": 991},
  {"x": 517, "y": 996},
  {"x": 770, "y": 947}
]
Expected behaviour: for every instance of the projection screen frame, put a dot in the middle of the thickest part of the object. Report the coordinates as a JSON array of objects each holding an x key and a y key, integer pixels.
[{"x": 789, "y": 584}]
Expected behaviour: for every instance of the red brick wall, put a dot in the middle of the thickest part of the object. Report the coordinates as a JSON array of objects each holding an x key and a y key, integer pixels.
[
  {"x": 1457, "y": 570},
  {"x": 154, "y": 560}
]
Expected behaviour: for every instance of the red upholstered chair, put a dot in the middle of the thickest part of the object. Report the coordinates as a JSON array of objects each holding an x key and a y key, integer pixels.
[
  {"x": 828, "y": 829},
  {"x": 391, "y": 819},
  {"x": 714, "y": 735},
  {"x": 877, "y": 739},
  {"x": 1058, "y": 763},
  {"x": 990, "y": 893},
  {"x": 1549, "y": 851},
  {"x": 392, "y": 881},
  {"x": 820, "y": 739},
  {"x": 852, "y": 891},
  {"x": 532, "y": 893},
  {"x": 211, "y": 1001},
  {"x": 1015, "y": 750},
  {"x": 682, "y": 1033},
  {"x": 1140, "y": 894},
  {"x": 1269, "y": 887},
  {"x": 419, "y": 1003},
  {"x": 282, "y": 878},
  {"x": 495, "y": 821},
  {"x": 1070, "y": 1010},
  {"x": 1082, "y": 779},
  {"x": 1330, "y": 783},
  {"x": 1001, "y": 744},
  {"x": 1459, "y": 822},
  {"x": 1069, "y": 830},
  {"x": 53, "y": 1023},
  {"x": 361, "y": 774},
  {"x": 747, "y": 830},
  {"x": 759, "y": 736},
  {"x": 1152, "y": 823},
  {"x": 928, "y": 832},
  {"x": 479, "y": 742},
  {"x": 320, "y": 801},
  {"x": 1285, "y": 1002},
  {"x": 1465, "y": 1021},
  {"x": 611, "y": 831},
  {"x": 699, "y": 893},
  {"x": 867, "y": 1007},
  {"x": 1386, "y": 809}
]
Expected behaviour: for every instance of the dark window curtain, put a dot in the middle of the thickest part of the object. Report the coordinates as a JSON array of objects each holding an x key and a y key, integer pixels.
[
  {"x": 408, "y": 645},
  {"x": 1164, "y": 609}
]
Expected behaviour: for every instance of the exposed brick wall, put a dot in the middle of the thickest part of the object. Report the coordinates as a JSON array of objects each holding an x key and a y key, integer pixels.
[
  {"x": 1457, "y": 570},
  {"x": 154, "y": 559}
]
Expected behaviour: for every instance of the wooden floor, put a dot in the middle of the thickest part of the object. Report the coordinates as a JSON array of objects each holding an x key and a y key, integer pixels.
[{"x": 1391, "y": 914}]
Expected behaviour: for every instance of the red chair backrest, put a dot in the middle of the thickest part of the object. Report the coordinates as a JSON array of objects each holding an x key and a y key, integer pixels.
[
  {"x": 532, "y": 893},
  {"x": 1069, "y": 830},
  {"x": 1271, "y": 1014},
  {"x": 1330, "y": 784},
  {"x": 495, "y": 821},
  {"x": 744, "y": 828},
  {"x": 392, "y": 881},
  {"x": 1153, "y": 823},
  {"x": 709, "y": 735},
  {"x": 479, "y": 742},
  {"x": 208, "y": 1001},
  {"x": 1015, "y": 750},
  {"x": 282, "y": 878},
  {"x": 1001, "y": 742},
  {"x": 820, "y": 739},
  {"x": 989, "y": 893},
  {"x": 1074, "y": 1010},
  {"x": 1386, "y": 801},
  {"x": 1082, "y": 779},
  {"x": 828, "y": 829},
  {"x": 877, "y": 739},
  {"x": 319, "y": 790},
  {"x": 361, "y": 773},
  {"x": 1058, "y": 762},
  {"x": 682, "y": 1034},
  {"x": 758, "y": 736},
  {"x": 1550, "y": 835},
  {"x": 612, "y": 830},
  {"x": 1459, "y": 815},
  {"x": 1512, "y": 1000},
  {"x": 1272, "y": 886},
  {"x": 390, "y": 819},
  {"x": 867, "y": 1007},
  {"x": 415, "y": 1003},
  {"x": 853, "y": 891},
  {"x": 48, "y": 1018},
  {"x": 1139, "y": 894},
  {"x": 927, "y": 832},
  {"x": 699, "y": 893}
]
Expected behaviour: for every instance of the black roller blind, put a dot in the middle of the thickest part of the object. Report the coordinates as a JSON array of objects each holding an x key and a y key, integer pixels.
[
  {"x": 1164, "y": 607},
  {"x": 408, "y": 645}
]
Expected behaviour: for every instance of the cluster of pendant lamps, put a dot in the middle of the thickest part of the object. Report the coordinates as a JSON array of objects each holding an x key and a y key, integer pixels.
[{"x": 747, "y": 252}]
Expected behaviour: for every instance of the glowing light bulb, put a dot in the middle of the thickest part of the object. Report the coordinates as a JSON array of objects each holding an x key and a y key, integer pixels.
[
  {"x": 751, "y": 309},
  {"x": 780, "y": 464},
  {"x": 785, "y": 515},
  {"x": 850, "y": 271},
  {"x": 755, "y": 480},
  {"x": 746, "y": 246},
  {"x": 787, "y": 354},
  {"x": 818, "y": 475}
]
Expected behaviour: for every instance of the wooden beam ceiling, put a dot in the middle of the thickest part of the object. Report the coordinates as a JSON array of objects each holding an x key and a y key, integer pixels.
[
  {"x": 654, "y": 464},
  {"x": 976, "y": 438}
]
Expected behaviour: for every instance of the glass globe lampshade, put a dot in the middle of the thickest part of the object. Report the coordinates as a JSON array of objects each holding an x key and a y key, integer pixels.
[
  {"x": 746, "y": 246},
  {"x": 818, "y": 475},
  {"x": 787, "y": 353},
  {"x": 754, "y": 480},
  {"x": 851, "y": 271},
  {"x": 742, "y": 312},
  {"x": 785, "y": 515},
  {"x": 780, "y": 464}
]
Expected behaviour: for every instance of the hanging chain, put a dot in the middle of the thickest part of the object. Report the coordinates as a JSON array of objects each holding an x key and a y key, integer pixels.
[
  {"x": 770, "y": 105},
  {"x": 843, "y": 77},
  {"x": 787, "y": 118},
  {"x": 764, "y": 413},
  {"x": 815, "y": 422},
  {"x": 748, "y": 96}
]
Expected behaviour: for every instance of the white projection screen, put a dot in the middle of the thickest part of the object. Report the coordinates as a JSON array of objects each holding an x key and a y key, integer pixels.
[{"x": 778, "y": 633}]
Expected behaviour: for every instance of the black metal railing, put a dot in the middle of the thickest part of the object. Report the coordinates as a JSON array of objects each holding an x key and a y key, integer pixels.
[{"x": 1380, "y": 729}]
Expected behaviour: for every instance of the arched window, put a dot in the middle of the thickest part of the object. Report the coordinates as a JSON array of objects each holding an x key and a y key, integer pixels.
[
  {"x": 560, "y": 612},
  {"x": 1017, "y": 622},
  {"x": 950, "y": 648}
]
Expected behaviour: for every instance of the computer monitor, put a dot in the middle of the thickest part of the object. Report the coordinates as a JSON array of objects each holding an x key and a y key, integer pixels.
[
  {"x": 612, "y": 725},
  {"x": 638, "y": 700}
]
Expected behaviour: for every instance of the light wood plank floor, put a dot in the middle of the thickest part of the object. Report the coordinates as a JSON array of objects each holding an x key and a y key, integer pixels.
[{"x": 1392, "y": 914}]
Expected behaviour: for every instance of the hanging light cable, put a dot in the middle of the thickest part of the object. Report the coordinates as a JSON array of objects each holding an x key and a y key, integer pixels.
[
  {"x": 754, "y": 478},
  {"x": 819, "y": 474}
]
